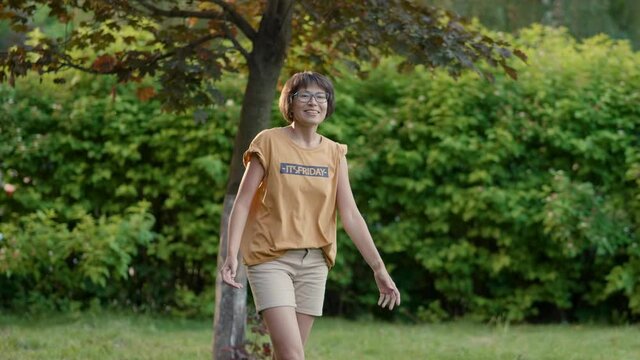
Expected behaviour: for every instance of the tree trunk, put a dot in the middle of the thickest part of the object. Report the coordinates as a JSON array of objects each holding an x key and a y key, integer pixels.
[{"x": 265, "y": 63}]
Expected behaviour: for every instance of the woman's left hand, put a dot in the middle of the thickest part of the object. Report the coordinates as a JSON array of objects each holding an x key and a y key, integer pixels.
[{"x": 389, "y": 293}]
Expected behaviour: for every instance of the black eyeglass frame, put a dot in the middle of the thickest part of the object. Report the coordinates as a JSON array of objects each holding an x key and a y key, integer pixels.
[{"x": 312, "y": 96}]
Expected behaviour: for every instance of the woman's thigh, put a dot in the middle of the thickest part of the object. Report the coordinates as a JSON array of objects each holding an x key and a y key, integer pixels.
[
  {"x": 305, "y": 322},
  {"x": 284, "y": 332}
]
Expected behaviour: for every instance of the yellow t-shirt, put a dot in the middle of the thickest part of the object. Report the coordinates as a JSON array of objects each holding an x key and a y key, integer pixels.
[{"x": 295, "y": 205}]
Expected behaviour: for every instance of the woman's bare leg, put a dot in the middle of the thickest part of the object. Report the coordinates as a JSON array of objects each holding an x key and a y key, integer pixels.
[
  {"x": 284, "y": 331},
  {"x": 305, "y": 322}
]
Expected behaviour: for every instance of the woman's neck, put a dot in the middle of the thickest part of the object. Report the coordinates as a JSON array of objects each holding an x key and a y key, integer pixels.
[{"x": 306, "y": 136}]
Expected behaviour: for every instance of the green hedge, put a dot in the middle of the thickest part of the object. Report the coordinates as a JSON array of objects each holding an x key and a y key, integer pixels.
[
  {"x": 513, "y": 200},
  {"x": 80, "y": 150},
  {"x": 505, "y": 201}
]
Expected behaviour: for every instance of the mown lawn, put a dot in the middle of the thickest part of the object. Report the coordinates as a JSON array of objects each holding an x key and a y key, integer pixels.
[{"x": 120, "y": 336}]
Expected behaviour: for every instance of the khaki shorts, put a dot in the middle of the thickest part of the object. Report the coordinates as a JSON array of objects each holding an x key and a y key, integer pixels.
[{"x": 295, "y": 279}]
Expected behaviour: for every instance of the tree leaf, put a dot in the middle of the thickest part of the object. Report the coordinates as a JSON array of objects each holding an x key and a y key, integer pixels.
[
  {"x": 145, "y": 93},
  {"x": 104, "y": 64}
]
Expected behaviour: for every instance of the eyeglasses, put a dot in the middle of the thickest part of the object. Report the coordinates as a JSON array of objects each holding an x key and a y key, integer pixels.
[{"x": 305, "y": 97}]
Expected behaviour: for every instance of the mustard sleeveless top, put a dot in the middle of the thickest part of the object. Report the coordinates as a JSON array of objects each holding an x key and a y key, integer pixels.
[{"x": 295, "y": 204}]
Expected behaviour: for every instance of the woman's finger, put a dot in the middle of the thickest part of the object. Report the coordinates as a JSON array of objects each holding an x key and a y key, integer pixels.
[
  {"x": 387, "y": 298},
  {"x": 390, "y": 300},
  {"x": 234, "y": 284},
  {"x": 228, "y": 277}
]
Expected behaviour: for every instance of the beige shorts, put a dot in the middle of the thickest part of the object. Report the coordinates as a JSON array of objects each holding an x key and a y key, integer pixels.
[{"x": 295, "y": 279}]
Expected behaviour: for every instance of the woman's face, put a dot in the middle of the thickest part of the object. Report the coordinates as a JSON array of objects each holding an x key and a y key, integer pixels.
[{"x": 306, "y": 108}]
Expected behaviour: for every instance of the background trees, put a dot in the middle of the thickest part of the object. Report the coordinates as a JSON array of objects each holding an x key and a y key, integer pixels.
[
  {"x": 583, "y": 18},
  {"x": 515, "y": 201},
  {"x": 189, "y": 55}
]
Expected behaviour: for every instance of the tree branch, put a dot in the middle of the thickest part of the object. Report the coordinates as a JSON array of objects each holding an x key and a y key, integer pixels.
[
  {"x": 227, "y": 13},
  {"x": 237, "y": 19},
  {"x": 68, "y": 62},
  {"x": 236, "y": 43},
  {"x": 287, "y": 15},
  {"x": 179, "y": 13},
  {"x": 194, "y": 44}
]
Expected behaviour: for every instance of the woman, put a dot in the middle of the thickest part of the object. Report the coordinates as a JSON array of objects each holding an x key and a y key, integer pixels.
[{"x": 284, "y": 217}]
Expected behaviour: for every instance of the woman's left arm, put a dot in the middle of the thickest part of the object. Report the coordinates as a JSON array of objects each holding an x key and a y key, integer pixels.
[{"x": 357, "y": 230}]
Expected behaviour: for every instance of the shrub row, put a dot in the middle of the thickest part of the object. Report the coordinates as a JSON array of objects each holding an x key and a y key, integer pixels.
[
  {"x": 515, "y": 200},
  {"x": 93, "y": 149}
]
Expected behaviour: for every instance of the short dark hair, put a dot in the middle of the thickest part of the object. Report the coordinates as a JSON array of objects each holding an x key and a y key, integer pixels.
[{"x": 302, "y": 80}]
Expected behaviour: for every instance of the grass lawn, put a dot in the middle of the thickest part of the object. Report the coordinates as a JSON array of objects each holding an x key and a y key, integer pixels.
[{"x": 118, "y": 336}]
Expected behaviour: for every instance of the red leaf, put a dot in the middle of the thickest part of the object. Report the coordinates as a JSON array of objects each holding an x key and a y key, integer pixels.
[
  {"x": 65, "y": 17},
  {"x": 104, "y": 64},
  {"x": 191, "y": 22},
  {"x": 145, "y": 93}
]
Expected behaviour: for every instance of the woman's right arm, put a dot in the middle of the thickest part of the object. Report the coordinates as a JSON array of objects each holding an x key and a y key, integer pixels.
[{"x": 251, "y": 179}]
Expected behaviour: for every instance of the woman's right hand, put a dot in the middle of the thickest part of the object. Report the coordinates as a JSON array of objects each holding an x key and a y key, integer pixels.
[
  {"x": 389, "y": 293},
  {"x": 228, "y": 272}
]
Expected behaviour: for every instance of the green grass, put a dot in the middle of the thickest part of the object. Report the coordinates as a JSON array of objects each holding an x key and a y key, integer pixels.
[
  {"x": 117, "y": 336},
  {"x": 339, "y": 339},
  {"x": 103, "y": 336}
]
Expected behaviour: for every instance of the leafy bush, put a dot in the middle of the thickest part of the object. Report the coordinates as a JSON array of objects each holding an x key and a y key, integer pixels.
[
  {"x": 517, "y": 200},
  {"x": 513, "y": 200},
  {"x": 93, "y": 149},
  {"x": 43, "y": 257}
]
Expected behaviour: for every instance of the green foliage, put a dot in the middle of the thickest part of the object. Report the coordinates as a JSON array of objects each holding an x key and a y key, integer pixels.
[
  {"x": 517, "y": 200},
  {"x": 187, "y": 47},
  {"x": 91, "y": 152},
  {"x": 41, "y": 256},
  {"x": 508, "y": 201}
]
